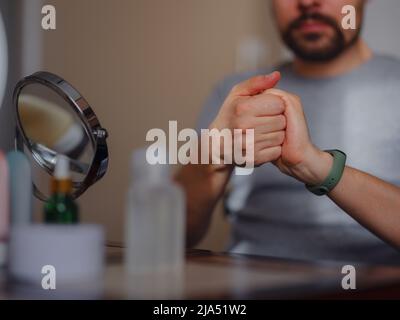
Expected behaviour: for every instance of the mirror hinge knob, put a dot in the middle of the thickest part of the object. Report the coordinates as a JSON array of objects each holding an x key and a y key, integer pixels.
[{"x": 101, "y": 133}]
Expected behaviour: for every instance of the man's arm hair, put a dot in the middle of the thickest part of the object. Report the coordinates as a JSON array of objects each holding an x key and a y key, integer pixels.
[{"x": 373, "y": 202}]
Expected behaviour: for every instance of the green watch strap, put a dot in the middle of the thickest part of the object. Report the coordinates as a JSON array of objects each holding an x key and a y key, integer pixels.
[{"x": 339, "y": 162}]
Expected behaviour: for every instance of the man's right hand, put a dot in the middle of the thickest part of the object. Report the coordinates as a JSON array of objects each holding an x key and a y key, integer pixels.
[{"x": 246, "y": 107}]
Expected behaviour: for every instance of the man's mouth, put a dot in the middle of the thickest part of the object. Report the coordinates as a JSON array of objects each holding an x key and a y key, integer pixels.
[{"x": 312, "y": 26}]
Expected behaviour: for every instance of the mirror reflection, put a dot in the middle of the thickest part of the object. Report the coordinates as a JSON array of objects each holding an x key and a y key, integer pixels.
[{"x": 52, "y": 127}]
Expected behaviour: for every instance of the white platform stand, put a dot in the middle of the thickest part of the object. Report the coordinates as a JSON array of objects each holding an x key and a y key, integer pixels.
[{"x": 75, "y": 252}]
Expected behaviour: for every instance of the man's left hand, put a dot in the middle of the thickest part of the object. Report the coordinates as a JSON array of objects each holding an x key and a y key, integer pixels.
[{"x": 300, "y": 158}]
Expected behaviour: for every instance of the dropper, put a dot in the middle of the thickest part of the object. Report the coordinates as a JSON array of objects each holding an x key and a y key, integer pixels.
[{"x": 62, "y": 177}]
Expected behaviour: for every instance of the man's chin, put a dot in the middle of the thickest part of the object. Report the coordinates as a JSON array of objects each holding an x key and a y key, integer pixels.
[
  {"x": 317, "y": 56},
  {"x": 316, "y": 52}
]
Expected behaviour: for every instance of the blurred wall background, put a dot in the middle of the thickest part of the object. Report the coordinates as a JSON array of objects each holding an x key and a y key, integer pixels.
[{"x": 141, "y": 63}]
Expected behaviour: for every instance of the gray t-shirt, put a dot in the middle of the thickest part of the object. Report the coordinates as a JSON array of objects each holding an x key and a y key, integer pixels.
[{"x": 273, "y": 214}]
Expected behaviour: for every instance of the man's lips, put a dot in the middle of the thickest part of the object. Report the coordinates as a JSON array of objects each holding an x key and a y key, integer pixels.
[{"x": 312, "y": 26}]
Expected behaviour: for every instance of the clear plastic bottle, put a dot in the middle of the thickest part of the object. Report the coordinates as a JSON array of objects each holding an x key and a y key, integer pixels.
[{"x": 155, "y": 219}]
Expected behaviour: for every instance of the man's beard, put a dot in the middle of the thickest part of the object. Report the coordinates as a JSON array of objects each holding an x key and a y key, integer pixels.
[{"x": 329, "y": 52}]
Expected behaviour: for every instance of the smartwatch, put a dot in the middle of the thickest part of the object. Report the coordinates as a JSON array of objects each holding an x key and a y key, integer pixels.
[{"x": 334, "y": 176}]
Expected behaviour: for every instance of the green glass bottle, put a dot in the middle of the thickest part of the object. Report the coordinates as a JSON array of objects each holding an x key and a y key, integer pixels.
[{"x": 61, "y": 208}]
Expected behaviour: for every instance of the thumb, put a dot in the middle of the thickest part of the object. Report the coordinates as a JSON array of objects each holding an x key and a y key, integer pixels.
[{"x": 256, "y": 84}]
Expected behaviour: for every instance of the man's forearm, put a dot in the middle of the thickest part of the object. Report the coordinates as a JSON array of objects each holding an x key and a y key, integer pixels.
[
  {"x": 372, "y": 202},
  {"x": 204, "y": 185}
]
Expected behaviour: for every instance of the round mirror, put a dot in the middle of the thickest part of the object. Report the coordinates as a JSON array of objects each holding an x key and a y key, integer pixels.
[{"x": 53, "y": 118}]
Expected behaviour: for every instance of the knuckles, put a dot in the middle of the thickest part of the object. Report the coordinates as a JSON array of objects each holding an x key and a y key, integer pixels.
[
  {"x": 280, "y": 122},
  {"x": 275, "y": 103},
  {"x": 279, "y": 138},
  {"x": 242, "y": 108}
]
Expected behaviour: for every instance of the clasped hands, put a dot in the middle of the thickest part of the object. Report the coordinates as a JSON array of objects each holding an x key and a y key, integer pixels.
[{"x": 280, "y": 129}]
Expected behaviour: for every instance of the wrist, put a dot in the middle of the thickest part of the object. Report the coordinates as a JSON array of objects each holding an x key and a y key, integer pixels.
[{"x": 315, "y": 167}]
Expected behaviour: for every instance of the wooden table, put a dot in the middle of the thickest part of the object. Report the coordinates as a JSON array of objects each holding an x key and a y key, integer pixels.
[{"x": 209, "y": 275}]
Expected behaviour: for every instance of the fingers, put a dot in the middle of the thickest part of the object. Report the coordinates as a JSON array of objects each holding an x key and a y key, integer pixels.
[
  {"x": 266, "y": 140},
  {"x": 263, "y": 114},
  {"x": 267, "y": 155},
  {"x": 269, "y": 124},
  {"x": 275, "y": 116},
  {"x": 263, "y": 156},
  {"x": 256, "y": 85},
  {"x": 272, "y": 139},
  {"x": 297, "y": 138},
  {"x": 260, "y": 106},
  {"x": 292, "y": 102},
  {"x": 278, "y": 92},
  {"x": 296, "y": 122},
  {"x": 261, "y": 124}
]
